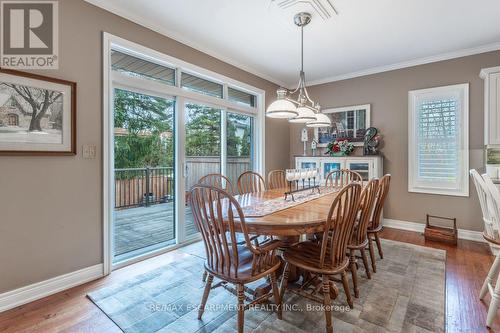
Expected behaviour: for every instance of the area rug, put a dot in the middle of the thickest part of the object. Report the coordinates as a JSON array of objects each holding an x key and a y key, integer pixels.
[{"x": 407, "y": 294}]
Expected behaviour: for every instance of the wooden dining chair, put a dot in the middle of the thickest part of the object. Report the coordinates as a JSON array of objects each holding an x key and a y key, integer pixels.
[
  {"x": 214, "y": 212},
  {"x": 375, "y": 225},
  {"x": 276, "y": 179},
  {"x": 342, "y": 177},
  {"x": 219, "y": 181},
  {"x": 329, "y": 257},
  {"x": 489, "y": 199},
  {"x": 490, "y": 227},
  {"x": 359, "y": 240},
  {"x": 251, "y": 182}
]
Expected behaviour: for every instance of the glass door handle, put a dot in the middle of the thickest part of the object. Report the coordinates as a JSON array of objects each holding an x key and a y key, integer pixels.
[{"x": 184, "y": 170}]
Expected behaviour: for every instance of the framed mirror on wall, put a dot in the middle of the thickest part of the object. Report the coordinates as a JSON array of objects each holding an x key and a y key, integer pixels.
[{"x": 350, "y": 122}]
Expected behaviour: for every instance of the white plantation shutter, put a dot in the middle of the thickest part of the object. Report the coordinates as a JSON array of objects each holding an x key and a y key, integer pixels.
[{"x": 438, "y": 140}]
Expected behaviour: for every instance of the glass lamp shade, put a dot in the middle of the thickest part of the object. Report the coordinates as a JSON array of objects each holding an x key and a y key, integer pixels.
[
  {"x": 305, "y": 115},
  {"x": 322, "y": 120},
  {"x": 281, "y": 108}
]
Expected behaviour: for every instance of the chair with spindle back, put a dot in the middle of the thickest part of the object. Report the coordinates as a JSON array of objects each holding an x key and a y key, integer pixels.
[
  {"x": 342, "y": 177},
  {"x": 375, "y": 225},
  {"x": 222, "y": 182},
  {"x": 359, "y": 240},
  {"x": 329, "y": 257},
  {"x": 276, "y": 179},
  {"x": 490, "y": 227},
  {"x": 489, "y": 199},
  {"x": 214, "y": 212},
  {"x": 251, "y": 182},
  {"x": 219, "y": 181}
]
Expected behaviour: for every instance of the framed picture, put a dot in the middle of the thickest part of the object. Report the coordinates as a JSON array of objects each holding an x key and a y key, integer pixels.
[
  {"x": 37, "y": 114},
  {"x": 350, "y": 122}
]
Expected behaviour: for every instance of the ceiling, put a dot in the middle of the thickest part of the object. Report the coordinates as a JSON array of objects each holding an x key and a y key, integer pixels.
[{"x": 365, "y": 37}]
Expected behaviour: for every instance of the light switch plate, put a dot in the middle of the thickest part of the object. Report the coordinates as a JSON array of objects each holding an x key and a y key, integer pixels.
[{"x": 89, "y": 152}]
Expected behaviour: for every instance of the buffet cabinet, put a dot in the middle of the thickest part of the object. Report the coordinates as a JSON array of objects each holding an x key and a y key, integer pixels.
[
  {"x": 367, "y": 166},
  {"x": 491, "y": 77}
]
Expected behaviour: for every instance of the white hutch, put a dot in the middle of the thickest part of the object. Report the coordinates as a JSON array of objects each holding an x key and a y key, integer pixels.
[{"x": 367, "y": 166}]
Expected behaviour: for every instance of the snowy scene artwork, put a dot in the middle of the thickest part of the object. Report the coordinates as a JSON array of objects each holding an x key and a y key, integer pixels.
[{"x": 37, "y": 115}]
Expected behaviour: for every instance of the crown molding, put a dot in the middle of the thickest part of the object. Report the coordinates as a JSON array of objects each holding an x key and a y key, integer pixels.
[
  {"x": 135, "y": 18},
  {"x": 138, "y": 19},
  {"x": 411, "y": 63}
]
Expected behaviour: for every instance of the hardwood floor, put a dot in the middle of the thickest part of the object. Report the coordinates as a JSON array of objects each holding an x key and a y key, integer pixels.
[{"x": 70, "y": 311}]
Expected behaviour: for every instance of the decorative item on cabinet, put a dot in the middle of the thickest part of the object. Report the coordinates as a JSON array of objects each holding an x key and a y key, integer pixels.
[
  {"x": 339, "y": 148},
  {"x": 372, "y": 140},
  {"x": 304, "y": 138},
  {"x": 314, "y": 146}
]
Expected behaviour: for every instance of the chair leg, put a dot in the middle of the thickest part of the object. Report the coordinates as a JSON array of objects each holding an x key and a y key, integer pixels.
[
  {"x": 365, "y": 263},
  {"x": 204, "y": 298},
  {"x": 379, "y": 246},
  {"x": 354, "y": 273},
  {"x": 241, "y": 307},
  {"x": 348, "y": 295},
  {"x": 204, "y": 278},
  {"x": 276, "y": 295},
  {"x": 327, "y": 304},
  {"x": 372, "y": 254},
  {"x": 494, "y": 304},
  {"x": 284, "y": 280},
  {"x": 491, "y": 276}
]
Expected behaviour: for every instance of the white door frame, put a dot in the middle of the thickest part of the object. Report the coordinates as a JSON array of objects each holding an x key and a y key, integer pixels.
[{"x": 181, "y": 96}]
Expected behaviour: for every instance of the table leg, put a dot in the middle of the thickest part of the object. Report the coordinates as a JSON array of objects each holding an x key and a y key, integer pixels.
[{"x": 294, "y": 275}]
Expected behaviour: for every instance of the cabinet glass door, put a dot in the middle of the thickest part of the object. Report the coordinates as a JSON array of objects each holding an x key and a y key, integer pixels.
[
  {"x": 328, "y": 167},
  {"x": 308, "y": 165},
  {"x": 363, "y": 168}
]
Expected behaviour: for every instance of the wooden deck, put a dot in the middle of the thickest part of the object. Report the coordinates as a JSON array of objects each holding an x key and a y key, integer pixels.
[{"x": 141, "y": 228}]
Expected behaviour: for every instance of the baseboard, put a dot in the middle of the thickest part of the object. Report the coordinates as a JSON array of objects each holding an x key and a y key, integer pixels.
[
  {"x": 38, "y": 290},
  {"x": 419, "y": 227}
]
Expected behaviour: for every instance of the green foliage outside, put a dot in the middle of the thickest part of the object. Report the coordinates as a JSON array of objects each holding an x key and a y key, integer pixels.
[{"x": 149, "y": 125}]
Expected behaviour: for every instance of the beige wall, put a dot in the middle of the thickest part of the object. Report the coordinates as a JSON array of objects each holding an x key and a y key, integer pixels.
[
  {"x": 388, "y": 95},
  {"x": 50, "y": 207}
]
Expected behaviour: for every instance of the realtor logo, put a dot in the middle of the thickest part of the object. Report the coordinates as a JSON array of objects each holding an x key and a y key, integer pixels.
[{"x": 29, "y": 37}]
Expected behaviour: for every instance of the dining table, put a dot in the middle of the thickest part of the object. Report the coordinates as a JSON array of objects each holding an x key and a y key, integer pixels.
[
  {"x": 268, "y": 213},
  {"x": 289, "y": 219}
]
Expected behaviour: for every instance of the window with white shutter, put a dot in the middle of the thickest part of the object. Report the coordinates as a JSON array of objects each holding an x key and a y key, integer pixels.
[{"x": 438, "y": 151}]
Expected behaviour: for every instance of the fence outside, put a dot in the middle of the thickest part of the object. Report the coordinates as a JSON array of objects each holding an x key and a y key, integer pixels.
[{"x": 148, "y": 186}]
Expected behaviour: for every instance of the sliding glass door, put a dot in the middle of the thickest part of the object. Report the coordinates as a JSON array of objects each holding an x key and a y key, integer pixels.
[
  {"x": 239, "y": 145},
  {"x": 202, "y": 150},
  {"x": 144, "y": 177},
  {"x": 167, "y": 124}
]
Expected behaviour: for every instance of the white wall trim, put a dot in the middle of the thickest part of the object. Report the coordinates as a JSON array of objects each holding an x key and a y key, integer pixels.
[
  {"x": 410, "y": 63},
  {"x": 35, "y": 291},
  {"x": 374, "y": 70},
  {"x": 112, "y": 80},
  {"x": 439, "y": 186},
  {"x": 419, "y": 227}
]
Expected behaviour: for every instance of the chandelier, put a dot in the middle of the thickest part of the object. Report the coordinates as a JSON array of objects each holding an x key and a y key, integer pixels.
[{"x": 302, "y": 109}]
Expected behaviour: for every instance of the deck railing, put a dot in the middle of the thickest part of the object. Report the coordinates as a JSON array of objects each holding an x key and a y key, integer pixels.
[
  {"x": 143, "y": 186},
  {"x": 148, "y": 186}
]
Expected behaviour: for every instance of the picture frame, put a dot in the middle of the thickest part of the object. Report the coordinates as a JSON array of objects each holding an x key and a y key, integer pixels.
[
  {"x": 349, "y": 122},
  {"x": 37, "y": 115}
]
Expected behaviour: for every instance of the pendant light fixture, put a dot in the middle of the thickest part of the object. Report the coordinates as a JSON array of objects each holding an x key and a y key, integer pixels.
[{"x": 302, "y": 109}]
